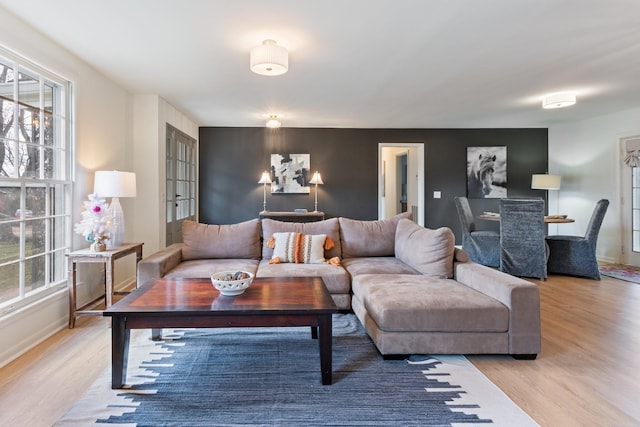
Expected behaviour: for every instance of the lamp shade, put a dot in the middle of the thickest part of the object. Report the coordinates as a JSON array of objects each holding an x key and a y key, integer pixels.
[
  {"x": 265, "y": 178},
  {"x": 316, "y": 179},
  {"x": 545, "y": 182},
  {"x": 115, "y": 184},
  {"x": 269, "y": 59}
]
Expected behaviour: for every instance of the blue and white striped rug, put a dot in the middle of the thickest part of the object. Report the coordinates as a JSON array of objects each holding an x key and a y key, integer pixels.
[{"x": 271, "y": 377}]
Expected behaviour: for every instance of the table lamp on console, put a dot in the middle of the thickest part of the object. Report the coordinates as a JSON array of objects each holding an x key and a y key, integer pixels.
[{"x": 115, "y": 184}]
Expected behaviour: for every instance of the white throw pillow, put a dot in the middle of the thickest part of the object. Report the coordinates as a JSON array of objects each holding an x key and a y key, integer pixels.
[{"x": 299, "y": 248}]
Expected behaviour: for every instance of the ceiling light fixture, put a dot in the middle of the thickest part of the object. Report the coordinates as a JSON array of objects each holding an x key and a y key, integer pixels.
[
  {"x": 273, "y": 122},
  {"x": 558, "y": 100},
  {"x": 269, "y": 59}
]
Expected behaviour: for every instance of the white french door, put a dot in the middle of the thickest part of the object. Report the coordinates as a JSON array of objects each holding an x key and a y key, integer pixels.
[
  {"x": 181, "y": 182},
  {"x": 630, "y": 206}
]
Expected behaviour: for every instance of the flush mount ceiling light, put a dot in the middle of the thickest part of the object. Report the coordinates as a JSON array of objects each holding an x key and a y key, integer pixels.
[
  {"x": 559, "y": 100},
  {"x": 273, "y": 122},
  {"x": 269, "y": 59}
]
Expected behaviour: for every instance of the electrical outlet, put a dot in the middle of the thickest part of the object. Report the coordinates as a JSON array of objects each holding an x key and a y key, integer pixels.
[{"x": 437, "y": 194}]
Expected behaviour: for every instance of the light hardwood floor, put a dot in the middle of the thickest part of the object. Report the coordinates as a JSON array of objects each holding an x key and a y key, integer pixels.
[{"x": 587, "y": 375}]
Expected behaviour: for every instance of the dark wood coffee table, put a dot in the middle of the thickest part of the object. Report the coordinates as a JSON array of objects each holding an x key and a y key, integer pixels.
[{"x": 195, "y": 303}]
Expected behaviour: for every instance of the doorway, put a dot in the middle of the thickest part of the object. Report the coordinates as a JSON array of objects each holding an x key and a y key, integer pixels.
[
  {"x": 401, "y": 180},
  {"x": 630, "y": 207},
  {"x": 181, "y": 182}
]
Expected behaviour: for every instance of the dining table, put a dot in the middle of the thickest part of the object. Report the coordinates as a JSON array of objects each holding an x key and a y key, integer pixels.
[{"x": 548, "y": 219}]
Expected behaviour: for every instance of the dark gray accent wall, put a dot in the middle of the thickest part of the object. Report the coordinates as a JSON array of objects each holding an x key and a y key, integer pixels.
[{"x": 231, "y": 161}]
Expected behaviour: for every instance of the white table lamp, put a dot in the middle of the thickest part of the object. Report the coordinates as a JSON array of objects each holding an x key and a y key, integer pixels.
[{"x": 115, "y": 184}]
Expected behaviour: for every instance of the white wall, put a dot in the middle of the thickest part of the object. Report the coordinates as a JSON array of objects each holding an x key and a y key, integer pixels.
[
  {"x": 106, "y": 116},
  {"x": 586, "y": 155},
  {"x": 152, "y": 114}
]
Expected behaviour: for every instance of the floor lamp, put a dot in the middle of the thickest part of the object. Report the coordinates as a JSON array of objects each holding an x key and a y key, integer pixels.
[
  {"x": 546, "y": 182},
  {"x": 317, "y": 179},
  {"x": 264, "y": 180},
  {"x": 115, "y": 184}
]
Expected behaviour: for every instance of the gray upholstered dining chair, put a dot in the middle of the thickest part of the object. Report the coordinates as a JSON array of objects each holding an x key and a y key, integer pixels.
[
  {"x": 483, "y": 247},
  {"x": 523, "y": 251},
  {"x": 576, "y": 255}
]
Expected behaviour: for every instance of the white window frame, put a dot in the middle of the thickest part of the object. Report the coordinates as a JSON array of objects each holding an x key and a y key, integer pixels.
[{"x": 56, "y": 184}]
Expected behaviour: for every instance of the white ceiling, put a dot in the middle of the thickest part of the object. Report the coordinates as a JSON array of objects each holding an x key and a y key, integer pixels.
[{"x": 360, "y": 63}]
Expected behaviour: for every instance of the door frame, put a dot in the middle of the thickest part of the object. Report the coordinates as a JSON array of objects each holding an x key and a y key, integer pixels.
[
  {"x": 420, "y": 178},
  {"x": 628, "y": 256}
]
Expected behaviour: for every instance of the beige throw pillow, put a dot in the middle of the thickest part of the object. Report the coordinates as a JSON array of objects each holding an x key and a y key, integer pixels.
[{"x": 426, "y": 250}]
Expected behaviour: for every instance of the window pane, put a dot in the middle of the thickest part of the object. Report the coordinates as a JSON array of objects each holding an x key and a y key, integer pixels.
[
  {"x": 58, "y": 267},
  {"x": 8, "y": 158},
  {"x": 34, "y": 273},
  {"x": 30, "y": 162},
  {"x": 28, "y": 90},
  {"x": 9, "y": 242},
  {"x": 47, "y": 128},
  {"x": 9, "y": 202},
  {"x": 58, "y": 232},
  {"x": 35, "y": 234},
  {"x": 35, "y": 201},
  {"x": 48, "y": 97},
  {"x": 6, "y": 76},
  {"x": 9, "y": 282},
  {"x": 28, "y": 124},
  {"x": 8, "y": 123}
]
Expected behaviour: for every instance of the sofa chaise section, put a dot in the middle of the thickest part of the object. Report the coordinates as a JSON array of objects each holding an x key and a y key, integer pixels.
[{"x": 449, "y": 305}]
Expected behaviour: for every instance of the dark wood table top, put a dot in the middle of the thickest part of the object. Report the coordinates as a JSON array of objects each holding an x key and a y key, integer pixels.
[{"x": 286, "y": 295}]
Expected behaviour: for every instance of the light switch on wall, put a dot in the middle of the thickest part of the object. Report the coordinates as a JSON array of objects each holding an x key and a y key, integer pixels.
[{"x": 437, "y": 195}]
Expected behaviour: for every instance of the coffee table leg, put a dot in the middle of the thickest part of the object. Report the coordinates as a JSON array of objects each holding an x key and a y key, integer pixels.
[
  {"x": 325, "y": 343},
  {"x": 119, "y": 351},
  {"x": 156, "y": 334}
]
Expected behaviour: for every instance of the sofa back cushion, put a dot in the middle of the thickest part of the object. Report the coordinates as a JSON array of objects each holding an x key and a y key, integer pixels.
[
  {"x": 369, "y": 238},
  {"x": 329, "y": 227},
  {"x": 202, "y": 241},
  {"x": 426, "y": 250}
]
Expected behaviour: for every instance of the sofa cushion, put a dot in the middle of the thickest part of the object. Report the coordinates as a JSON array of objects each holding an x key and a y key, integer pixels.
[
  {"x": 329, "y": 227},
  {"x": 403, "y": 303},
  {"x": 335, "y": 278},
  {"x": 376, "y": 265},
  {"x": 369, "y": 238},
  {"x": 428, "y": 251},
  {"x": 204, "y": 268},
  {"x": 299, "y": 248},
  {"x": 204, "y": 241}
]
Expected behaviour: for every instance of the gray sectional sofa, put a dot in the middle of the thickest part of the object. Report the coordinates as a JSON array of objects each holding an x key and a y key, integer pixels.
[{"x": 412, "y": 289}]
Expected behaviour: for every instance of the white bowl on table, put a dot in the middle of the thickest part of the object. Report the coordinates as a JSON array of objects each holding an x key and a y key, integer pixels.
[{"x": 232, "y": 283}]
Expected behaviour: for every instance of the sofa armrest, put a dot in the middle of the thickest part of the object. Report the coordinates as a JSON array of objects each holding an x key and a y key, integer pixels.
[
  {"x": 520, "y": 296},
  {"x": 158, "y": 264}
]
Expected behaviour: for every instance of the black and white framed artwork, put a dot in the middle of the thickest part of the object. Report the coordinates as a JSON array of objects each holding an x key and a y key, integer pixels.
[
  {"x": 290, "y": 173},
  {"x": 486, "y": 172}
]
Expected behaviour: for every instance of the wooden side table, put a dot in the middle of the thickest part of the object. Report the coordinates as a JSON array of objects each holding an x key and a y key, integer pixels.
[{"x": 107, "y": 258}]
